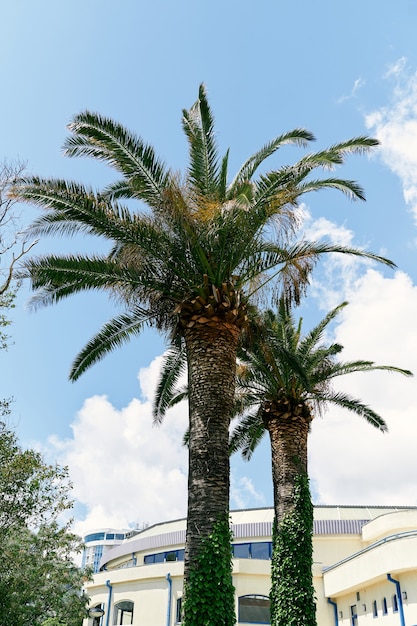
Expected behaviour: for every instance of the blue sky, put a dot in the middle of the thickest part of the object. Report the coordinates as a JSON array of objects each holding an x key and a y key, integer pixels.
[{"x": 339, "y": 70}]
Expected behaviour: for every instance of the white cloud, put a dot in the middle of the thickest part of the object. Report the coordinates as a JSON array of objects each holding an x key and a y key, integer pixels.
[
  {"x": 125, "y": 470},
  {"x": 359, "y": 82},
  {"x": 395, "y": 126},
  {"x": 337, "y": 273},
  {"x": 243, "y": 493},
  {"x": 350, "y": 461}
]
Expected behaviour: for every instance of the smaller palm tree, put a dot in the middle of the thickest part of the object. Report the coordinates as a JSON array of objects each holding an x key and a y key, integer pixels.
[{"x": 284, "y": 380}]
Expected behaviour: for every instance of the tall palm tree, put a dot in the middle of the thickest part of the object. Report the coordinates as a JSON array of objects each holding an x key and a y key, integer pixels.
[
  {"x": 284, "y": 379},
  {"x": 187, "y": 262}
]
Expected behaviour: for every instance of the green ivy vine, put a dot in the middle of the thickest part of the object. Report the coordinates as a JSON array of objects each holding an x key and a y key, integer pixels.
[
  {"x": 292, "y": 592},
  {"x": 211, "y": 604}
]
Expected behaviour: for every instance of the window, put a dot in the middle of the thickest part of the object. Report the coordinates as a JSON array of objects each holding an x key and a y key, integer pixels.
[
  {"x": 374, "y": 609},
  {"x": 94, "y": 537},
  {"x": 261, "y": 550},
  {"x": 241, "y": 550},
  {"x": 254, "y": 609},
  {"x": 161, "y": 557},
  {"x": 384, "y": 606},
  {"x": 123, "y": 613},
  {"x": 395, "y": 603},
  {"x": 178, "y": 616},
  {"x": 255, "y": 550},
  {"x": 98, "y": 553},
  {"x": 97, "y": 620},
  {"x": 353, "y": 615}
]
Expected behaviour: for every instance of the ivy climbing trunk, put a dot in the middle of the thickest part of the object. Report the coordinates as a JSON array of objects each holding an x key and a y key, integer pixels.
[
  {"x": 211, "y": 353},
  {"x": 292, "y": 590}
]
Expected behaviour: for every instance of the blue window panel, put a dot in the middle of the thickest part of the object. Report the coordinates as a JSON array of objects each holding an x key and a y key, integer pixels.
[
  {"x": 160, "y": 557},
  {"x": 119, "y": 536},
  {"x": 94, "y": 537},
  {"x": 180, "y": 555},
  {"x": 110, "y": 536},
  {"x": 261, "y": 550},
  {"x": 241, "y": 550},
  {"x": 149, "y": 558},
  {"x": 98, "y": 553}
]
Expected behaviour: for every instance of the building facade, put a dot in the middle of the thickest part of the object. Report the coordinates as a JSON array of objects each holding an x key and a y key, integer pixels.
[
  {"x": 99, "y": 542},
  {"x": 365, "y": 570}
]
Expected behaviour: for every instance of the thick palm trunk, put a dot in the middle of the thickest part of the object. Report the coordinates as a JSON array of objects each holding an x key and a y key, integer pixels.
[
  {"x": 211, "y": 352},
  {"x": 288, "y": 429},
  {"x": 292, "y": 591}
]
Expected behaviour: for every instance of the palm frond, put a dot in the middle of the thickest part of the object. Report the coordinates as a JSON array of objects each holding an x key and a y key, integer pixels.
[
  {"x": 248, "y": 433},
  {"x": 105, "y": 140},
  {"x": 349, "y": 188},
  {"x": 298, "y": 136},
  {"x": 173, "y": 365},
  {"x": 198, "y": 125},
  {"x": 313, "y": 338},
  {"x": 72, "y": 208},
  {"x": 353, "y": 405},
  {"x": 112, "y": 335}
]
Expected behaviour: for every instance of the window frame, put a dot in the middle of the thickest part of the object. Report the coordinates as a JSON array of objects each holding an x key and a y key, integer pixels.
[{"x": 254, "y": 596}]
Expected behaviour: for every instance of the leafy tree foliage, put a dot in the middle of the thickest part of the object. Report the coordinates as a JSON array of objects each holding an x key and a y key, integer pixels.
[{"x": 38, "y": 578}]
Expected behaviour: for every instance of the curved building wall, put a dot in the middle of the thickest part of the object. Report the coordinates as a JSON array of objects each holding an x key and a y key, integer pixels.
[{"x": 140, "y": 581}]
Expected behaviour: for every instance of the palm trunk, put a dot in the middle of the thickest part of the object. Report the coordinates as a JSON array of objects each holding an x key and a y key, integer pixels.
[
  {"x": 211, "y": 353},
  {"x": 288, "y": 429},
  {"x": 292, "y": 590}
]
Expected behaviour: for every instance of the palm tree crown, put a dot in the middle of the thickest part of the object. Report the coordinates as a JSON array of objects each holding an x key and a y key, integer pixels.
[
  {"x": 282, "y": 372},
  {"x": 203, "y": 242}
]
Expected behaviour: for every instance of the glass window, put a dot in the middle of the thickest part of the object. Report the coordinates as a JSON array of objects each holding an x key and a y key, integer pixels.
[
  {"x": 94, "y": 537},
  {"x": 241, "y": 550},
  {"x": 395, "y": 603},
  {"x": 98, "y": 553},
  {"x": 374, "y": 609},
  {"x": 261, "y": 550},
  {"x": 384, "y": 606},
  {"x": 123, "y": 613},
  {"x": 97, "y": 620},
  {"x": 254, "y": 609},
  {"x": 110, "y": 536},
  {"x": 149, "y": 558},
  {"x": 178, "y": 611},
  {"x": 160, "y": 557}
]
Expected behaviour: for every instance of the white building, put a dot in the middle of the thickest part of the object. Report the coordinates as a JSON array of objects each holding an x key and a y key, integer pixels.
[
  {"x": 99, "y": 542},
  {"x": 365, "y": 569}
]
